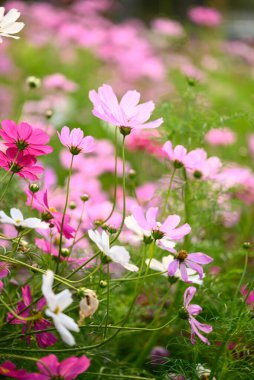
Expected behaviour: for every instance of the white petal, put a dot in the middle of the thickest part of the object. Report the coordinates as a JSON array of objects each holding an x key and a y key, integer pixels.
[
  {"x": 16, "y": 214},
  {"x": 156, "y": 265},
  {"x": 105, "y": 240},
  {"x": 63, "y": 331},
  {"x": 131, "y": 267},
  {"x": 5, "y": 218},
  {"x": 10, "y": 17},
  {"x": 34, "y": 223},
  {"x": 133, "y": 225},
  {"x": 2, "y": 9},
  {"x": 119, "y": 255},
  {"x": 68, "y": 322},
  {"x": 166, "y": 260},
  {"x": 63, "y": 299},
  {"x": 96, "y": 238},
  {"x": 13, "y": 28},
  {"x": 47, "y": 283}
]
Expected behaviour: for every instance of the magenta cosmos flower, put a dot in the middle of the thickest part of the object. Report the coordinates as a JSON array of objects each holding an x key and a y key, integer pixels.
[
  {"x": 40, "y": 202},
  {"x": 22, "y": 136},
  {"x": 184, "y": 260},
  {"x": 68, "y": 369},
  {"x": 148, "y": 228},
  {"x": 9, "y": 369},
  {"x": 192, "y": 311},
  {"x": 127, "y": 114},
  {"x": 24, "y": 165},
  {"x": 181, "y": 158},
  {"x": 75, "y": 141},
  {"x": 44, "y": 339}
]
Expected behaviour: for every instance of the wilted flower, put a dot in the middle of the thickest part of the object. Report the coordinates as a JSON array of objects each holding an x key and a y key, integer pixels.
[
  {"x": 88, "y": 305},
  {"x": 57, "y": 303},
  {"x": 75, "y": 141},
  {"x": 203, "y": 373},
  {"x": 9, "y": 24},
  {"x": 16, "y": 219},
  {"x": 117, "y": 254},
  {"x": 127, "y": 114},
  {"x": 192, "y": 310}
]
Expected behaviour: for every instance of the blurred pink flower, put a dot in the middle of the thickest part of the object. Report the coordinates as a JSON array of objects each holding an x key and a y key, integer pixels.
[
  {"x": 59, "y": 82},
  {"x": 9, "y": 369},
  {"x": 25, "y": 138},
  {"x": 250, "y": 299},
  {"x": 251, "y": 145},
  {"x": 193, "y": 310},
  {"x": 21, "y": 164},
  {"x": 75, "y": 141},
  {"x": 220, "y": 136},
  {"x": 205, "y": 16},
  {"x": 4, "y": 271},
  {"x": 168, "y": 27},
  {"x": 127, "y": 114}
]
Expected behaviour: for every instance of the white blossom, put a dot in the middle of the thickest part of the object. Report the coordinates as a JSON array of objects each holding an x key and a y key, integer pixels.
[
  {"x": 57, "y": 303},
  {"x": 16, "y": 219},
  {"x": 8, "y": 24},
  {"x": 116, "y": 253}
]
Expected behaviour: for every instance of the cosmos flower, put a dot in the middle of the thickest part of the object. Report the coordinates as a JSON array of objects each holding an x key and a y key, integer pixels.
[
  {"x": 25, "y": 138},
  {"x": 220, "y": 136},
  {"x": 116, "y": 253},
  {"x": 9, "y": 369},
  {"x": 127, "y": 114},
  {"x": 16, "y": 219},
  {"x": 75, "y": 141},
  {"x": 162, "y": 266},
  {"x": 191, "y": 311},
  {"x": 205, "y": 16},
  {"x": 184, "y": 260},
  {"x": 57, "y": 303},
  {"x": 9, "y": 25},
  {"x": 44, "y": 339},
  {"x": 181, "y": 158}
]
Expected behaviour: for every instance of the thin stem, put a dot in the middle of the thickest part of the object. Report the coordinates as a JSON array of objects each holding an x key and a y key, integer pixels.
[
  {"x": 64, "y": 213},
  {"x": 79, "y": 224},
  {"x": 107, "y": 310},
  {"x": 6, "y": 186},
  {"x": 168, "y": 193},
  {"x": 152, "y": 246},
  {"x": 33, "y": 318}
]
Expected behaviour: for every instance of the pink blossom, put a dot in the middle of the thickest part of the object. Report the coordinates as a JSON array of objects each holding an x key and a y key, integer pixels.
[
  {"x": 205, "y": 16},
  {"x": 184, "y": 260},
  {"x": 194, "y": 310},
  {"x": 251, "y": 145},
  {"x": 59, "y": 82},
  {"x": 3, "y": 272},
  {"x": 250, "y": 299},
  {"x": 181, "y": 158},
  {"x": 24, "y": 165},
  {"x": 49, "y": 214},
  {"x": 127, "y": 114},
  {"x": 44, "y": 339},
  {"x": 168, "y": 27},
  {"x": 220, "y": 136},
  {"x": 75, "y": 141},
  {"x": 25, "y": 138},
  {"x": 9, "y": 369},
  {"x": 68, "y": 369}
]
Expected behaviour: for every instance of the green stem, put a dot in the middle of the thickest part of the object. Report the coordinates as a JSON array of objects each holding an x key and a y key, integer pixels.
[
  {"x": 6, "y": 186},
  {"x": 168, "y": 193},
  {"x": 64, "y": 213},
  {"x": 107, "y": 311}
]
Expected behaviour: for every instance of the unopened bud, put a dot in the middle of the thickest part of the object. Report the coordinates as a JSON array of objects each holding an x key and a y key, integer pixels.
[
  {"x": 88, "y": 305},
  {"x": 132, "y": 173},
  {"x": 72, "y": 205},
  {"x": 246, "y": 245},
  {"x": 65, "y": 252},
  {"x": 49, "y": 113},
  {"x": 103, "y": 284},
  {"x": 84, "y": 197},
  {"x": 125, "y": 131},
  {"x": 33, "y": 82},
  {"x": 33, "y": 187}
]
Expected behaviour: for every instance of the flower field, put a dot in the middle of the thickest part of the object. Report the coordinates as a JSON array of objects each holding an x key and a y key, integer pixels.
[{"x": 126, "y": 195}]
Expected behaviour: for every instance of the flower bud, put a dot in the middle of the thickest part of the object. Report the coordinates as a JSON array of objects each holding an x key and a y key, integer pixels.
[
  {"x": 246, "y": 245},
  {"x": 72, "y": 205},
  {"x": 84, "y": 197},
  {"x": 88, "y": 305},
  {"x": 33, "y": 82},
  {"x": 33, "y": 187},
  {"x": 103, "y": 284},
  {"x": 125, "y": 131},
  {"x": 132, "y": 174},
  {"x": 65, "y": 252},
  {"x": 49, "y": 113}
]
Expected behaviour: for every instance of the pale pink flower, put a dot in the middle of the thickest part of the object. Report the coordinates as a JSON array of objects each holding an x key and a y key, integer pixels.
[
  {"x": 251, "y": 145},
  {"x": 205, "y": 16},
  {"x": 192, "y": 311},
  {"x": 58, "y": 81},
  {"x": 127, "y": 114},
  {"x": 181, "y": 158},
  {"x": 220, "y": 136},
  {"x": 168, "y": 27},
  {"x": 75, "y": 141}
]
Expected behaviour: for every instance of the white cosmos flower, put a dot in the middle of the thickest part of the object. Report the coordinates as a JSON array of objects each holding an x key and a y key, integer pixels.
[
  {"x": 116, "y": 253},
  {"x": 8, "y": 24},
  {"x": 17, "y": 220},
  {"x": 163, "y": 267},
  {"x": 57, "y": 303}
]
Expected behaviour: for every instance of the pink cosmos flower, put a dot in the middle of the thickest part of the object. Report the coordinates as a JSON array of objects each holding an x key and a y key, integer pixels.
[
  {"x": 181, "y": 158},
  {"x": 127, "y": 114},
  {"x": 205, "y": 16},
  {"x": 220, "y": 136},
  {"x": 25, "y": 138},
  {"x": 184, "y": 260},
  {"x": 149, "y": 228},
  {"x": 168, "y": 27},
  {"x": 44, "y": 339},
  {"x": 68, "y": 369},
  {"x": 250, "y": 299},
  {"x": 75, "y": 141},
  {"x": 9, "y": 369},
  {"x": 21, "y": 164},
  {"x": 192, "y": 311},
  {"x": 58, "y": 81},
  {"x": 49, "y": 214}
]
